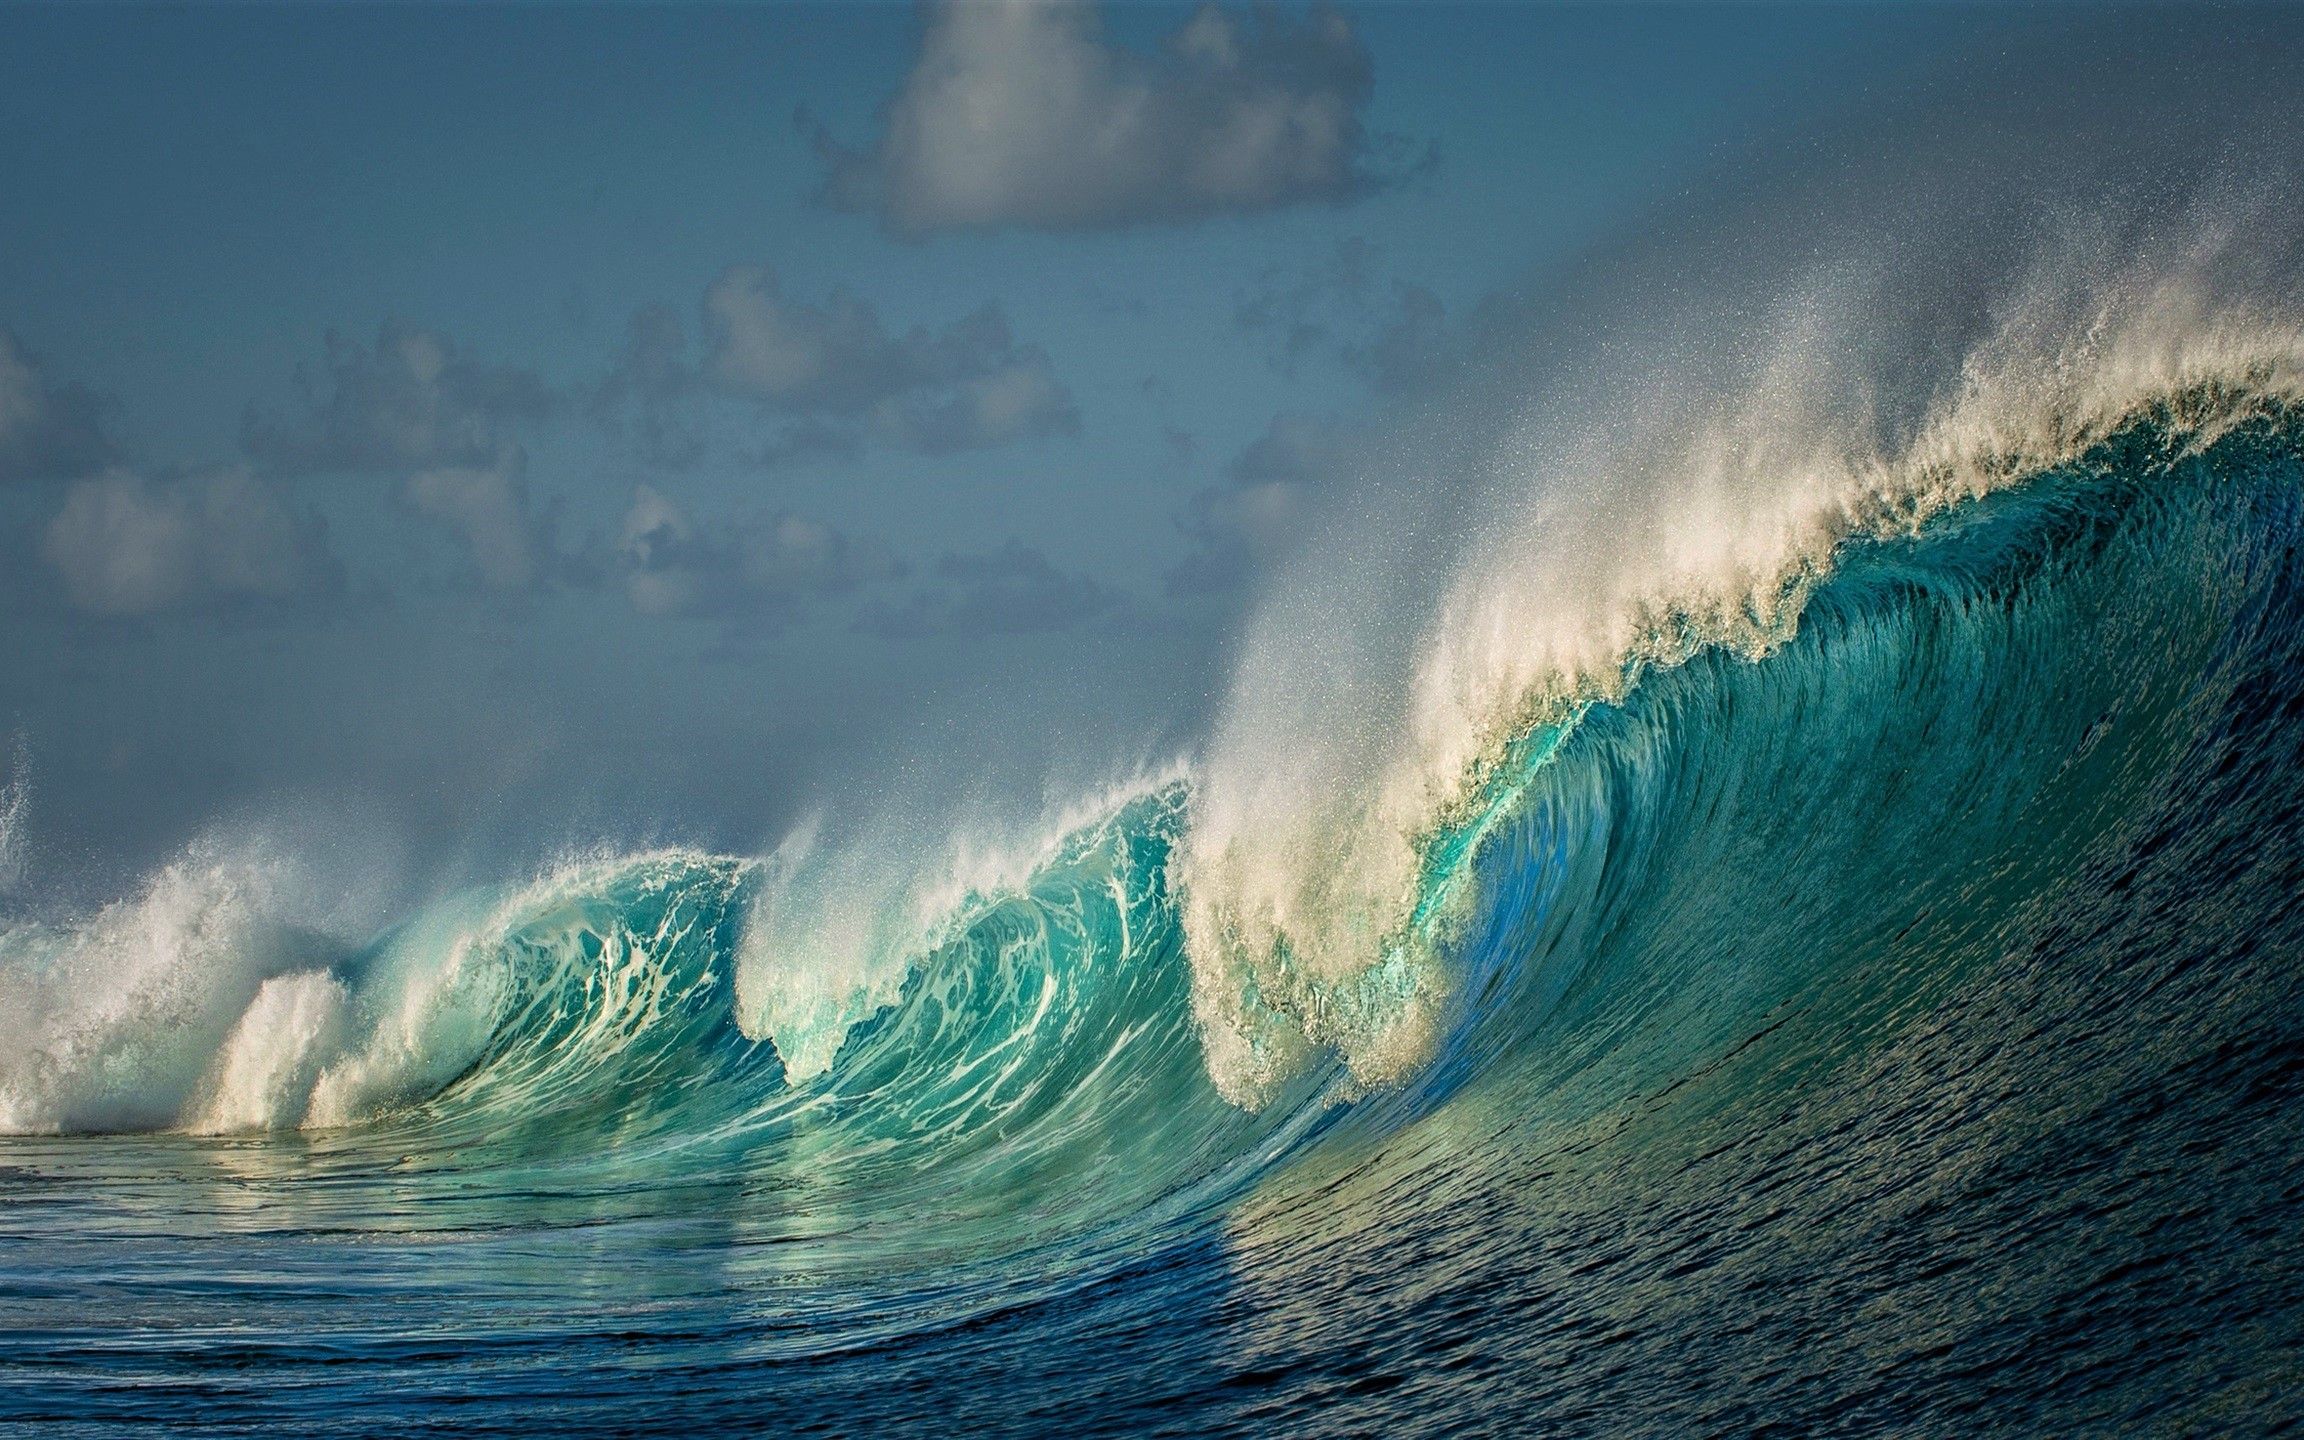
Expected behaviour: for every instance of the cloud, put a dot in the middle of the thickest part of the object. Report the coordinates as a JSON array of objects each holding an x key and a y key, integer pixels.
[
  {"x": 969, "y": 386},
  {"x": 836, "y": 375},
  {"x": 671, "y": 566},
  {"x": 509, "y": 546},
  {"x": 1393, "y": 336},
  {"x": 124, "y": 545},
  {"x": 410, "y": 402},
  {"x": 1261, "y": 510},
  {"x": 1021, "y": 113},
  {"x": 1013, "y": 590},
  {"x": 47, "y": 431}
]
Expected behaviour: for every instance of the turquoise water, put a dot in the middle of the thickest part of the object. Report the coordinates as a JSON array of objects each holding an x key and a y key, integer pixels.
[{"x": 1897, "y": 1029}]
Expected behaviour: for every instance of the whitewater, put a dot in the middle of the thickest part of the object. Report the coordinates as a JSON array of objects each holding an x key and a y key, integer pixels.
[{"x": 1779, "y": 906}]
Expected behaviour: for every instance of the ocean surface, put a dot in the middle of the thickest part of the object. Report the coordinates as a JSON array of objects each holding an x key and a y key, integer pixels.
[{"x": 1841, "y": 973}]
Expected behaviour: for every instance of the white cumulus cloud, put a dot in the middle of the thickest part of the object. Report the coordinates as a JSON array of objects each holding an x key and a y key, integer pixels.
[
  {"x": 126, "y": 545},
  {"x": 486, "y": 507},
  {"x": 1022, "y": 113}
]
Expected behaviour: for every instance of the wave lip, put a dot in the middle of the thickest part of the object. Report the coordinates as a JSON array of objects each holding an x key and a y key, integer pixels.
[{"x": 1625, "y": 537}]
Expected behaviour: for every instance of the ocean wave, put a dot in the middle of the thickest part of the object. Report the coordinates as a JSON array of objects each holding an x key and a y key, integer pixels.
[
  {"x": 1623, "y": 537},
  {"x": 676, "y": 993}
]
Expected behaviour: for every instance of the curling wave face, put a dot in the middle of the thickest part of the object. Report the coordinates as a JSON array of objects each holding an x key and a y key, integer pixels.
[{"x": 1348, "y": 773}]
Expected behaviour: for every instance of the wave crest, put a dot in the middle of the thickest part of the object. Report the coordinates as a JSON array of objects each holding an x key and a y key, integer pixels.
[{"x": 1636, "y": 519}]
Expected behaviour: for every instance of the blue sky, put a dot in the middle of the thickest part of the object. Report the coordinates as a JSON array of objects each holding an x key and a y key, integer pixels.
[{"x": 1052, "y": 409}]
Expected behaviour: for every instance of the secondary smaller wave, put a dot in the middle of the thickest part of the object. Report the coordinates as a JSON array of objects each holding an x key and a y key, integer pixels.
[{"x": 213, "y": 1002}]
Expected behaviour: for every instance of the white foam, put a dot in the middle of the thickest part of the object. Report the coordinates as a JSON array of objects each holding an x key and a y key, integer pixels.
[
  {"x": 264, "y": 1076},
  {"x": 115, "y": 1019}
]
